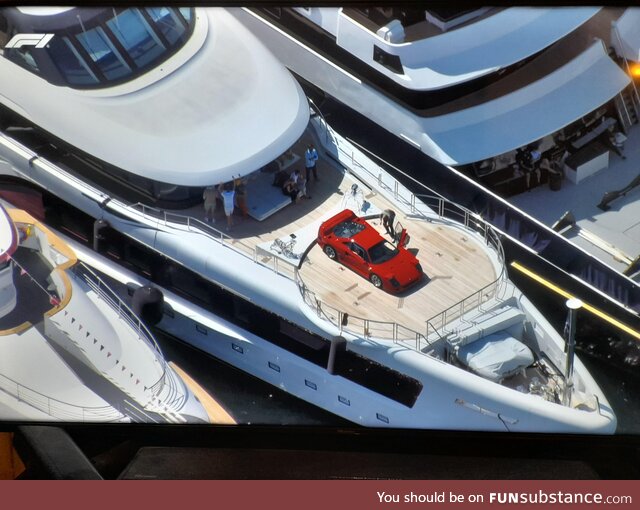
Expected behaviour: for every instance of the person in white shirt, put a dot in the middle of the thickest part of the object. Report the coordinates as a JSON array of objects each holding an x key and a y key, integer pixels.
[{"x": 228, "y": 192}]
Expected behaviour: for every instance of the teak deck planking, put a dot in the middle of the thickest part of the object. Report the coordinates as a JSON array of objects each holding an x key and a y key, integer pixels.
[{"x": 456, "y": 265}]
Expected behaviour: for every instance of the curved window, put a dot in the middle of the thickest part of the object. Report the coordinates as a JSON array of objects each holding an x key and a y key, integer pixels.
[
  {"x": 168, "y": 21},
  {"x": 118, "y": 45},
  {"x": 136, "y": 36},
  {"x": 102, "y": 51},
  {"x": 70, "y": 63}
]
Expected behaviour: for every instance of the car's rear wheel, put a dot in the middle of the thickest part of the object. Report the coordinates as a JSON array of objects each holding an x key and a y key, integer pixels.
[
  {"x": 376, "y": 280},
  {"x": 330, "y": 252}
]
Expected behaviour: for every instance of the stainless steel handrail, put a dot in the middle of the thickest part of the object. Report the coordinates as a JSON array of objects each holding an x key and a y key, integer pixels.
[{"x": 54, "y": 407}]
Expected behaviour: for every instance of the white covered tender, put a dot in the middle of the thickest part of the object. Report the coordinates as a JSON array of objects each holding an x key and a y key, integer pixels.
[{"x": 496, "y": 356}]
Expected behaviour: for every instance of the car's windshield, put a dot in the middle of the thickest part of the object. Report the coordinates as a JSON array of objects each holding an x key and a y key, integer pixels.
[{"x": 382, "y": 252}]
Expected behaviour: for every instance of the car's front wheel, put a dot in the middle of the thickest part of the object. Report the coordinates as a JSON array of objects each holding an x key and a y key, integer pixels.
[
  {"x": 376, "y": 280},
  {"x": 330, "y": 252}
]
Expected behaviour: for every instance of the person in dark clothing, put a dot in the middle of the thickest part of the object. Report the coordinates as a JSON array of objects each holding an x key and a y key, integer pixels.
[
  {"x": 291, "y": 190},
  {"x": 387, "y": 217},
  {"x": 528, "y": 161}
]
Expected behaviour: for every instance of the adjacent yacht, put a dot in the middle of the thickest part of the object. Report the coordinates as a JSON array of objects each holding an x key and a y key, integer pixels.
[
  {"x": 477, "y": 89},
  {"x": 71, "y": 349},
  {"x": 132, "y": 113}
]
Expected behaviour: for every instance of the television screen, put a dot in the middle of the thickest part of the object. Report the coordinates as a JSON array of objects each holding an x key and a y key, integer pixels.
[{"x": 388, "y": 218}]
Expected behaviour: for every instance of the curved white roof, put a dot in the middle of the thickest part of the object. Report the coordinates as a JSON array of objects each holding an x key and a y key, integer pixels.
[
  {"x": 229, "y": 109},
  {"x": 492, "y": 43},
  {"x": 528, "y": 114},
  {"x": 470, "y": 51}
]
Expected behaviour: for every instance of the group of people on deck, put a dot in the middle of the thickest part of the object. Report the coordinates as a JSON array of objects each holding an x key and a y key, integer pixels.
[
  {"x": 295, "y": 184},
  {"x": 232, "y": 194}
]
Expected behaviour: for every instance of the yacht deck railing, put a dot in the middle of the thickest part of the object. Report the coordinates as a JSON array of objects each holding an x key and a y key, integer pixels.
[
  {"x": 411, "y": 202},
  {"x": 386, "y": 330},
  {"x": 423, "y": 207},
  {"x": 258, "y": 255},
  {"x": 420, "y": 205},
  {"x": 173, "y": 397},
  {"x": 401, "y": 195},
  {"x": 57, "y": 408}
]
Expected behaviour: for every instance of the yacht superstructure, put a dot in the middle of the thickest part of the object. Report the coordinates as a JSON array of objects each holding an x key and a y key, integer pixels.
[
  {"x": 71, "y": 350},
  {"x": 477, "y": 89},
  {"x": 463, "y": 349}
]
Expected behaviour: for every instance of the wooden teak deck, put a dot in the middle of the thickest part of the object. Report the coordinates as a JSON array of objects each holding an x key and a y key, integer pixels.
[{"x": 456, "y": 264}]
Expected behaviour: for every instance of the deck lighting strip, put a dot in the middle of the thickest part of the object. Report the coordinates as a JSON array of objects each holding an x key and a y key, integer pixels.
[{"x": 595, "y": 311}]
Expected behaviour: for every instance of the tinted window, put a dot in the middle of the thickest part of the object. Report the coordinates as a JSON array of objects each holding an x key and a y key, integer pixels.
[
  {"x": 168, "y": 23},
  {"x": 24, "y": 57},
  {"x": 103, "y": 53},
  {"x": 358, "y": 250},
  {"x": 70, "y": 64},
  {"x": 382, "y": 252},
  {"x": 135, "y": 35},
  {"x": 186, "y": 13}
]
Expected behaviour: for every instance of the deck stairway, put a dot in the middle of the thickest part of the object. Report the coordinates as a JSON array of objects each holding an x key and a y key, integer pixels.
[{"x": 628, "y": 106}]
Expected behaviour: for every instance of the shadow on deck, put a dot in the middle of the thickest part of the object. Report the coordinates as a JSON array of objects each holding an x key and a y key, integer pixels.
[{"x": 32, "y": 300}]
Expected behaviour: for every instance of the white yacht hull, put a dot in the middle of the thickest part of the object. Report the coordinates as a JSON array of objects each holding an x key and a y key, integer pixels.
[{"x": 451, "y": 398}]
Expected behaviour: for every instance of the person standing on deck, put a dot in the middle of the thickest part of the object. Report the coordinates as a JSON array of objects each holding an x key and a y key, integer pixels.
[
  {"x": 209, "y": 196},
  {"x": 310, "y": 159},
  {"x": 228, "y": 192},
  {"x": 241, "y": 196},
  {"x": 387, "y": 217}
]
